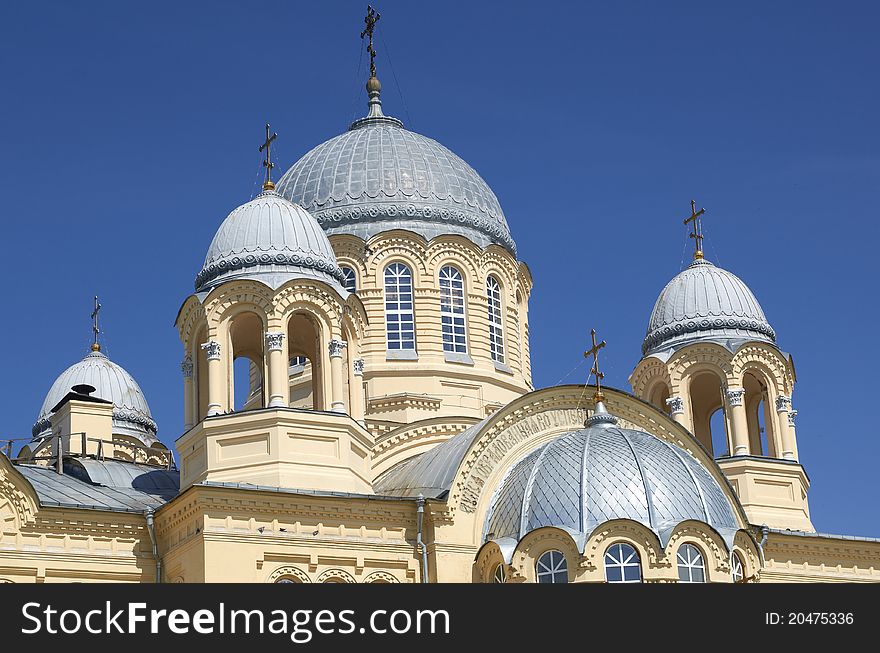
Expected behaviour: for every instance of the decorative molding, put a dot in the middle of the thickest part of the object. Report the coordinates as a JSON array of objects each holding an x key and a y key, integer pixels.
[
  {"x": 212, "y": 349},
  {"x": 274, "y": 340},
  {"x": 791, "y": 415},
  {"x": 335, "y": 576},
  {"x": 783, "y": 403},
  {"x": 296, "y": 258},
  {"x": 186, "y": 367},
  {"x": 335, "y": 347},
  {"x": 358, "y": 366},
  {"x": 676, "y": 405},
  {"x": 289, "y": 572},
  {"x": 381, "y": 577},
  {"x": 735, "y": 396}
]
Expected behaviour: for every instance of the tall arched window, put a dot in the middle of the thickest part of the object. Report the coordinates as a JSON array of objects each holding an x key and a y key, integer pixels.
[
  {"x": 737, "y": 569},
  {"x": 400, "y": 324},
  {"x": 691, "y": 568},
  {"x": 622, "y": 564},
  {"x": 552, "y": 568},
  {"x": 496, "y": 322},
  {"x": 452, "y": 310},
  {"x": 350, "y": 280}
]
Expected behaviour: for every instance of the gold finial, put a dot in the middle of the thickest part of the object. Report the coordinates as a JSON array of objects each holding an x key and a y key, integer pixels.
[
  {"x": 697, "y": 229},
  {"x": 594, "y": 371},
  {"x": 267, "y": 162},
  {"x": 371, "y": 19},
  {"x": 96, "y": 346}
]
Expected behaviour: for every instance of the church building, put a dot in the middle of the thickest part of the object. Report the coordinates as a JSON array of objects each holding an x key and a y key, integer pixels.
[{"x": 391, "y": 432}]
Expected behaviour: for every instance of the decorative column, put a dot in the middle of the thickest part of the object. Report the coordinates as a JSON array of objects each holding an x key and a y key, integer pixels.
[
  {"x": 791, "y": 415},
  {"x": 739, "y": 421},
  {"x": 215, "y": 377},
  {"x": 786, "y": 437},
  {"x": 358, "y": 402},
  {"x": 278, "y": 380},
  {"x": 676, "y": 410},
  {"x": 337, "y": 402},
  {"x": 186, "y": 368}
]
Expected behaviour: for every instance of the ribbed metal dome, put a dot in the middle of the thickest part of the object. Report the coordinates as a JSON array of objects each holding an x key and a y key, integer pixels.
[
  {"x": 379, "y": 176},
  {"x": 705, "y": 302},
  {"x": 587, "y": 477},
  {"x": 131, "y": 414},
  {"x": 271, "y": 239}
]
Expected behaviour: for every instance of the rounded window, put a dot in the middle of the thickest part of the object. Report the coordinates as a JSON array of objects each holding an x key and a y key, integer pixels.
[
  {"x": 452, "y": 310},
  {"x": 500, "y": 574},
  {"x": 622, "y": 564},
  {"x": 691, "y": 567},
  {"x": 552, "y": 568},
  {"x": 737, "y": 568},
  {"x": 349, "y": 281}
]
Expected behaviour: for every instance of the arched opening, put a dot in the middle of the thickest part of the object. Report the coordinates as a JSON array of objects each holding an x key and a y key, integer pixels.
[
  {"x": 247, "y": 362},
  {"x": 706, "y": 399},
  {"x": 759, "y": 416},
  {"x": 304, "y": 353},
  {"x": 658, "y": 394}
]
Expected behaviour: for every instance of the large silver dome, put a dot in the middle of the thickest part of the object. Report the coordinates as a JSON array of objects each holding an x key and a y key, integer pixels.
[
  {"x": 131, "y": 414},
  {"x": 587, "y": 477},
  {"x": 379, "y": 176},
  {"x": 271, "y": 239},
  {"x": 705, "y": 302}
]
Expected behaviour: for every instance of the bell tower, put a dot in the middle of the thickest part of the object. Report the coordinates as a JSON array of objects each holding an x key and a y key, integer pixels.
[{"x": 710, "y": 360}]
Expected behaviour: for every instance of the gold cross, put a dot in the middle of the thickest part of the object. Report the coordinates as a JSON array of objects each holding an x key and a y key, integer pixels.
[
  {"x": 594, "y": 371},
  {"x": 95, "y": 345},
  {"x": 697, "y": 230},
  {"x": 267, "y": 162},
  {"x": 371, "y": 19}
]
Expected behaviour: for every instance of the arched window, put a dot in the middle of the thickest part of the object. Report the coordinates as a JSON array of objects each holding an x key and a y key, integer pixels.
[
  {"x": 452, "y": 310},
  {"x": 287, "y": 579},
  {"x": 691, "y": 568},
  {"x": 350, "y": 281},
  {"x": 500, "y": 574},
  {"x": 496, "y": 323},
  {"x": 552, "y": 568},
  {"x": 399, "y": 319},
  {"x": 622, "y": 564},
  {"x": 737, "y": 569}
]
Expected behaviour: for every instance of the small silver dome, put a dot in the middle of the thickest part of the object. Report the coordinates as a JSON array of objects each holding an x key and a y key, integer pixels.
[
  {"x": 379, "y": 176},
  {"x": 705, "y": 302},
  {"x": 585, "y": 478},
  {"x": 271, "y": 239},
  {"x": 131, "y": 414}
]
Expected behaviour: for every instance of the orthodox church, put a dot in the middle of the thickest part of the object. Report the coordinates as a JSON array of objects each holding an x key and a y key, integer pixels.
[{"x": 391, "y": 432}]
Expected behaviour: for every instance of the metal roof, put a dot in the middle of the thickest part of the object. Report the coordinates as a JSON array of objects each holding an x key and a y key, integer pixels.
[
  {"x": 131, "y": 414},
  {"x": 164, "y": 483},
  {"x": 272, "y": 239},
  {"x": 379, "y": 176},
  {"x": 705, "y": 303},
  {"x": 65, "y": 490}
]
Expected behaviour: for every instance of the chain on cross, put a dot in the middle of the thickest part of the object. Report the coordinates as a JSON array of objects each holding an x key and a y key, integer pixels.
[
  {"x": 697, "y": 229},
  {"x": 594, "y": 371}
]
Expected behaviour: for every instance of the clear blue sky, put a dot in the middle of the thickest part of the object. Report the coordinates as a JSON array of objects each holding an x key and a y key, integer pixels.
[{"x": 129, "y": 130}]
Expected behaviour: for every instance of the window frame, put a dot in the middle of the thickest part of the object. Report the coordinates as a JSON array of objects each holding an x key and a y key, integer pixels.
[
  {"x": 495, "y": 308},
  {"x": 688, "y": 563},
  {"x": 553, "y": 568},
  {"x": 352, "y": 278},
  {"x": 499, "y": 574},
  {"x": 623, "y": 561},
  {"x": 394, "y": 338},
  {"x": 453, "y": 310},
  {"x": 737, "y": 568}
]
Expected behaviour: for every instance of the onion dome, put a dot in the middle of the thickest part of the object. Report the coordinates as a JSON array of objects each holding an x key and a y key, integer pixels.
[
  {"x": 585, "y": 478},
  {"x": 379, "y": 176},
  {"x": 705, "y": 303},
  {"x": 131, "y": 414},
  {"x": 270, "y": 239}
]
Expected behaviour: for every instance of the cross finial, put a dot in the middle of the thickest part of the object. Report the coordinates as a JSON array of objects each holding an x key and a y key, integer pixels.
[
  {"x": 370, "y": 20},
  {"x": 594, "y": 371},
  {"x": 697, "y": 229},
  {"x": 96, "y": 346},
  {"x": 267, "y": 162}
]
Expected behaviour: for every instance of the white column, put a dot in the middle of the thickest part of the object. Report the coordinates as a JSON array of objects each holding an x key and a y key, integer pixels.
[
  {"x": 186, "y": 368},
  {"x": 337, "y": 404},
  {"x": 783, "y": 410},
  {"x": 738, "y": 421},
  {"x": 278, "y": 386},
  {"x": 215, "y": 377},
  {"x": 358, "y": 401},
  {"x": 676, "y": 410}
]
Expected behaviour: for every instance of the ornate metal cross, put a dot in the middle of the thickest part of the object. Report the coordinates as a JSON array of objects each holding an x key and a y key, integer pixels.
[
  {"x": 371, "y": 19},
  {"x": 697, "y": 229},
  {"x": 95, "y": 345},
  {"x": 594, "y": 371},
  {"x": 267, "y": 162}
]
